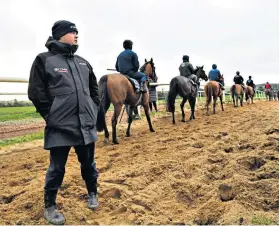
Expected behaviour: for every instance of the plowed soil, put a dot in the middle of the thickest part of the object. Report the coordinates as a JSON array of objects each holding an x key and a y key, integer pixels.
[{"x": 217, "y": 169}]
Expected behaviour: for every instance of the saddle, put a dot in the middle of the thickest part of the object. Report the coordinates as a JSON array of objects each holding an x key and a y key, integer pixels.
[{"x": 134, "y": 82}]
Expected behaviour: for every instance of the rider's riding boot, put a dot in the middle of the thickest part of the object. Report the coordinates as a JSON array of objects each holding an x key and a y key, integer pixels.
[
  {"x": 50, "y": 213},
  {"x": 143, "y": 87}
]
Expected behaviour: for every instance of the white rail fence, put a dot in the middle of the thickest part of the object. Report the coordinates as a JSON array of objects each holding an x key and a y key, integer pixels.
[{"x": 200, "y": 97}]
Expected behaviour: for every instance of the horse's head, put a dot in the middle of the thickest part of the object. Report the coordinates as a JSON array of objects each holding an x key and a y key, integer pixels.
[
  {"x": 200, "y": 73},
  {"x": 150, "y": 70}
]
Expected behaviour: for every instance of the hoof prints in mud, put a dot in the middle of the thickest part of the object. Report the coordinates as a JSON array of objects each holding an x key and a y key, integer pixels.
[
  {"x": 271, "y": 131},
  {"x": 246, "y": 147},
  {"x": 226, "y": 192},
  {"x": 228, "y": 150},
  {"x": 252, "y": 163},
  {"x": 8, "y": 199},
  {"x": 185, "y": 198},
  {"x": 112, "y": 193},
  {"x": 263, "y": 176}
]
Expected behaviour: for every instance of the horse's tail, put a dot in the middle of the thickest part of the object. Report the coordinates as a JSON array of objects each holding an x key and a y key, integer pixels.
[
  {"x": 104, "y": 105},
  {"x": 233, "y": 90},
  {"x": 208, "y": 92},
  {"x": 247, "y": 93},
  {"x": 170, "y": 105}
]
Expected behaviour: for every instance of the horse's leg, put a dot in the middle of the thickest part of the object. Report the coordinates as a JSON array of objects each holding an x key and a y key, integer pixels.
[
  {"x": 221, "y": 100},
  {"x": 117, "y": 111},
  {"x": 146, "y": 109},
  {"x": 192, "y": 102},
  {"x": 207, "y": 108},
  {"x": 129, "y": 113},
  {"x": 182, "y": 109},
  {"x": 241, "y": 100},
  {"x": 106, "y": 140},
  {"x": 214, "y": 104},
  {"x": 207, "y": 104}
]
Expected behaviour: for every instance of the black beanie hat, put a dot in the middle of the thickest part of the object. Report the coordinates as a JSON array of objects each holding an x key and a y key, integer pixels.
[{"x": 62, "y": 27}]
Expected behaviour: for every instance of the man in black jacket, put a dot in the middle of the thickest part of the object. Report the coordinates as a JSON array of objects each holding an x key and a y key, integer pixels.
[{"x": 63, "y": 88}]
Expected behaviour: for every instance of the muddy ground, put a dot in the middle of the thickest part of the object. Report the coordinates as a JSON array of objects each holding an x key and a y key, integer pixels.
[{"x": 217, "y": 169}]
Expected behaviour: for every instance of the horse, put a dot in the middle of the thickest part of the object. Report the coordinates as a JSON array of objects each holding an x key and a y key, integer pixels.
[
  {"x": 118, "y": 90},
  {"x": 237, "y": 92},
  {"x": 268, "y": 94},
  {"x": 213, "y": 89},
  {"x": 276, "y": 95},
  {"x": 183, "y": 87},
  {"x": 249, "y": 94}
]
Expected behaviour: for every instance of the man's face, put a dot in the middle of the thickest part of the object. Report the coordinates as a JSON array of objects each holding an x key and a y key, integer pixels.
[{"x": 70, "y": 38}]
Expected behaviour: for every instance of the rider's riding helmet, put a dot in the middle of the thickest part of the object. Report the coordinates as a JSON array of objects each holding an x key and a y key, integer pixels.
[
  {"x": 214, "y": 66},
  {"x": 237, "y": 72},
  {"x": 127, "y": 44},
  {"x": 250, "y": 77},
  {"x": 186, "y": 58}
]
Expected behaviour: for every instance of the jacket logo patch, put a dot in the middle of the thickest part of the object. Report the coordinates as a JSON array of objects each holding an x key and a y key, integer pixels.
[
  {"x": 83, "y": 64},
  {"x": 63, "y": 70}
]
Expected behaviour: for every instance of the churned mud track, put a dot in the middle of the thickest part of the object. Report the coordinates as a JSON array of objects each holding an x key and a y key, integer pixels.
[
  {"x": 217, "y": 169},
  {"x": 11, "y": 129}
]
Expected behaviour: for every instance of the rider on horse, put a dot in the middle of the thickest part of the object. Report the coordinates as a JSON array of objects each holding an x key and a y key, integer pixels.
[
  {"x": 186, "y": 69},
  {"x": 128, "y": 64},
  {"x": 238, "y": 79},
  {"x": 215, "y": 75},
  {"x": 250, "y": 82},
  {"x": 267, "y": 86}
]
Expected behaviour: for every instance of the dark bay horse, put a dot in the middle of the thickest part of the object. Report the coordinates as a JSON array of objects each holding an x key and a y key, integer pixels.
[
  {"x": 237, "y": 92},
  {"x": 118, "y": 90},
  {"x": 183, "y": 87},
  {"x": 249, "y": 94},
  {"x": 213, "y": 89}
]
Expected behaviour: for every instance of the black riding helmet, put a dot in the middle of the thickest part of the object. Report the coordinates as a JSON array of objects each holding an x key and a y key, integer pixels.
[
  {"x": 186, "y": 58},
  {"x": 237, "y": 72},
  {"x": 127, "y": 44},
  {"x": 214, "y": 66}
]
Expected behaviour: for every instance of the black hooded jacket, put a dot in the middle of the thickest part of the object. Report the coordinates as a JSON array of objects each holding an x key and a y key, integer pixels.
[{"x": 63, "y": 88}]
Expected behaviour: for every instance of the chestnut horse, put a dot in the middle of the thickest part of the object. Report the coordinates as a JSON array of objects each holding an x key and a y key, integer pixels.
[
  {"x": 249, "y": 94},
  {"x": 237, "y": 92},
  {"x": 213, "y": 89},
  {"x": 118, "y": 90}
]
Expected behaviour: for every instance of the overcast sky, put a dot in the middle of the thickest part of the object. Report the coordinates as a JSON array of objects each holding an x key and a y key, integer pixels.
[{"x": 234, "y": 34}]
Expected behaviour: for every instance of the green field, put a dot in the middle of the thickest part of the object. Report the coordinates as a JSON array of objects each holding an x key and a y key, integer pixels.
[
  {"x": 21, "y": 139},
  {"x": 18, "y": 113},
  {"x": 23, "y": 113}
]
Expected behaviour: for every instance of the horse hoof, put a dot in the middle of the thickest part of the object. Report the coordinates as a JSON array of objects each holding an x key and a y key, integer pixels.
[
  {"x": 173, "y": 122},
  {"x": 183, "y": 120},
  {"x": 106, "y": 141},
  {"x": 127, "y": 135},
  {"x": 115, "y": 142},
  {"x": 152, "y": 130}
]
